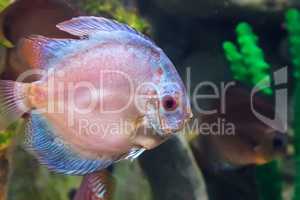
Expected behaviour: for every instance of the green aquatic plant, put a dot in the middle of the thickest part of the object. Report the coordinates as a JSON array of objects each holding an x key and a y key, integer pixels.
[
  {"x": 7, "y": 135},
  {"x": 269, "y": 181},
  {"x": 4, "y": 4},
  {"x": 117, "y": 10},
  {"x": 292, "y": 24},
  {"x": 247, "y": 63},
  {"x": 296, "y": 125},
  {"x": 5, "y": 139},
  {"x": 237, "y": 65},
  {"x": 3, "y": 41}
]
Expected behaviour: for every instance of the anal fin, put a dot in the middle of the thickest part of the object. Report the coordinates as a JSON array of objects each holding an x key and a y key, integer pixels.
[{"x": 96, "y": 186}]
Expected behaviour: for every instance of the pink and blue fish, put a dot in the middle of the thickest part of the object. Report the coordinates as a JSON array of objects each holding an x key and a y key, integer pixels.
[{"x": 107, "y": 96}]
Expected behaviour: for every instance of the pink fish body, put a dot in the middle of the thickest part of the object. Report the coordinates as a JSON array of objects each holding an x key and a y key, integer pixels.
[
  {"x": 99, "y": 95},
  {"x": 104, "y": 69}
]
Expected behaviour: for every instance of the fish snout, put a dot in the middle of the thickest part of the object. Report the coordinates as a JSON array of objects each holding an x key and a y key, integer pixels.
[
  {"x": 171, "y": 128},
  {"x": 175, "y": 124},
  {"x": 181, "y": 125},
  {"x": 188, "y": 117}
]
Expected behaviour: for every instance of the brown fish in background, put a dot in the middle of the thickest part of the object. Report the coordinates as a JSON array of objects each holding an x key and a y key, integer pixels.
[
  {"x": 31, "y": 17},
  {"x": 253, "y": 142},
  {"x": 96, "y": 186}
]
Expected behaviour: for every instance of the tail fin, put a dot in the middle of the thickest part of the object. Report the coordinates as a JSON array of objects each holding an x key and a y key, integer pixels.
[{"x": 13, "y": 103}]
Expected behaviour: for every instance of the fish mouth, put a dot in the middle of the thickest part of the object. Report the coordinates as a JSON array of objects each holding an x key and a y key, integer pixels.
[
  {"x": 178, "y": 128},
  {"x": 165, "y": 129},
  {"x": 189, "y": 116}
]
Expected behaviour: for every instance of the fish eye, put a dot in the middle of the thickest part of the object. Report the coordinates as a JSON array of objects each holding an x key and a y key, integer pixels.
[
  {"x": 169, "y": 103},
  {"x": 278, "y": 142}
]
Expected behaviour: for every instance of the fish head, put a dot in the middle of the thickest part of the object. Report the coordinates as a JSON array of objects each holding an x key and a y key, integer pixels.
[
  {"x": 251, "y": 141},
  {"x": 172, "y": 108},
  {"x": 273, "y": 144}
]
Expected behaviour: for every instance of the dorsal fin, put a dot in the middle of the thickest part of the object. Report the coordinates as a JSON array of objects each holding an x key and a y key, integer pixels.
[
  {"x": 39, "y": 51},
  {"x": 88, "y": 25}
]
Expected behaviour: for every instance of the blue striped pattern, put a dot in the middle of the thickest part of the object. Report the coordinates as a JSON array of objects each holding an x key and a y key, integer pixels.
[{"x": 53, "y": 152}]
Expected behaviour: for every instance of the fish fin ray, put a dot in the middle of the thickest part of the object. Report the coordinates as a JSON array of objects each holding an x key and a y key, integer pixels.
[
  {"x": 87, "y": 25},
  {"x": 39, "y": 51},
  {"x": 134, "y": 153},
  {"x": 12, "y": 102},
  {"x": 96, "y": 186},
  {"x": 55, "y": 153}
]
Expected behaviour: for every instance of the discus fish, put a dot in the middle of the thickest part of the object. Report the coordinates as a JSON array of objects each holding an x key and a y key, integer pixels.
[
  {"x": 252, "y": 141},
  {"x": 98, "y": 97}
]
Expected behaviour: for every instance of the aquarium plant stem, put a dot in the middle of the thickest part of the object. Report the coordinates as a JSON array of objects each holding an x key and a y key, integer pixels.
[
  {"x": 269, "y": 181},
  {"x": 297, "y": 141},
  {"x": 292, "y": 24}
]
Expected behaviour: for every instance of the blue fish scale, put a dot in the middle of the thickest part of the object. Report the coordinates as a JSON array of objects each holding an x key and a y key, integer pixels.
[{"x": 54, "y": 153}]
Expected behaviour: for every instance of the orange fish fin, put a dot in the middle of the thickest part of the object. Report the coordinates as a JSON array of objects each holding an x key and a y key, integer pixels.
[
  {"x": 39, "y": 52},
  {"x": 88, "y": 25},
  {"x": 13, "y": 102}
]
